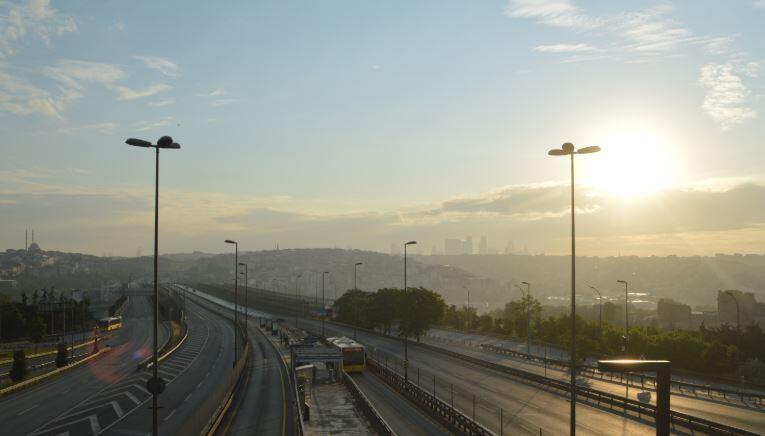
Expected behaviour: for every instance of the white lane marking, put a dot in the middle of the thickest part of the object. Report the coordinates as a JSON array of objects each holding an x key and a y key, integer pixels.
[
  {"x": 132, "y": 397},
  {"x": 200, "y": 384},
  {"x": 95, "y": 426},
  {"x": 168, "y": 416},
  {"x": 26, "y": 410},
  {"x": 65, "y": 391},
  {"x": 187, "y": 397}
]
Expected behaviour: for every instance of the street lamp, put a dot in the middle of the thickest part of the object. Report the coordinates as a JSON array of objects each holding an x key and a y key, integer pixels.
[
  {"x": 323, "y": 305},
  {"x": 236, "y": 291},
  {"x": 626, "y": 313},
  {"x": 567, "y": 149},
  {"x": 356, "y": 274},
  {"x": 738, "y": 333},
  {"x": 297, "y": 299},
  {"x": 600, "y": 311},
  {"x": 246, "y": 289},
  {"x": 468, "y": 305},
  {"x": 406, "y": 348},
  {"x": 165, "y": 142},
  {"x": 528, "y": 314}
]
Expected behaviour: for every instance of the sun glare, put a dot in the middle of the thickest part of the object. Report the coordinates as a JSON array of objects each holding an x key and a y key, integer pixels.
[{"x": 632, "y": 163}]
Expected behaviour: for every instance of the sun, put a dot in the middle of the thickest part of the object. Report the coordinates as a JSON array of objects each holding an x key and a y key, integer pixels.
[{"x": 631, "y": 163}]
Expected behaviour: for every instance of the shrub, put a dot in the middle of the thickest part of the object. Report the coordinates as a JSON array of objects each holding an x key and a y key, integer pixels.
[{"x": 19, "y": 367}]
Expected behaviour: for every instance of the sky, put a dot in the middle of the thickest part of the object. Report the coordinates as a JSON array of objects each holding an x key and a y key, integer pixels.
[{"x": 367, "y": 124}]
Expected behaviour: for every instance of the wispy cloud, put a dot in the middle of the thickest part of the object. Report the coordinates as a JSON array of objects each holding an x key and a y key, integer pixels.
[
  {"x": 726, "y": 95},
  {"x": 223, "y": 102},
  {"x": 564, "y": 48},
  {"x": 107, "y": 128},
  {"x": 644, "y": 32},
  {"x": 161, "y": 103},
  {"x": 153, "y": 124},
  {"x": 72, "y": 73},
  {"x": 216, "y": 93},
  {"x": 163, "y": 65},
  {"x": 32, "y": 18},
  {"x": 125, "y": 93},
  {"x": 759, "y": 4},
  {"x": 20, "y": 97}
]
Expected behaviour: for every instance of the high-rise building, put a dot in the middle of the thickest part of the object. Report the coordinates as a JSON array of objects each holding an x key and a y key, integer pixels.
[
  {"x": 510, "y": 247},
  {"x": 482, "y": 246},
  {"x": 468, "y": 248}
]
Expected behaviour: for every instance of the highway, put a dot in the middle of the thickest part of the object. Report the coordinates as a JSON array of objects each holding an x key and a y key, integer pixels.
[
  {"x": 525, "y": 408},
  {"x": 402, "y": 416},
  {"x": 263, "y": 407},
  {"x": 25, "y": 411},
  {"x": 734, "y": 413}
]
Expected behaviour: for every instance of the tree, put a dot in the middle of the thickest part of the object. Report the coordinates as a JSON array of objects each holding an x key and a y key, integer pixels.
[
  {"x": 419, "y": 309},
  {"x": 19, "y": 367},
  {"x": 353, "y": 308},
  {"x": 383, "y": 308},
  {"x": 36, "y": 330},
  {"x": 62, "y": 356}
]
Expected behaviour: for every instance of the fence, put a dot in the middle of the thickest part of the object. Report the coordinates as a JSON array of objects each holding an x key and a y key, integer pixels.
[{"x": 632, "y": 379}]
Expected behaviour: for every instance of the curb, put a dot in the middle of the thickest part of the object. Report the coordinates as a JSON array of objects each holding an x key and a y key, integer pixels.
[{"x": 39, "y": 379}]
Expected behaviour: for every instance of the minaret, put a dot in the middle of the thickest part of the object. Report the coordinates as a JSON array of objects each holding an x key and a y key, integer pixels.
[
  {"x": 33, "y": 236},
  {"x": 26, "y": 239}
]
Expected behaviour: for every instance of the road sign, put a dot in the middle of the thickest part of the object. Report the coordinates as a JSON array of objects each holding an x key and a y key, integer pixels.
[{"x": 155, "y": 386}]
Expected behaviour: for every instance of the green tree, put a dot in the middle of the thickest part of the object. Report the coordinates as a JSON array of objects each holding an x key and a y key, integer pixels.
[
  {"x": 354, "y": 308},
  {"x": 36, "y": 330},
  {"x": 19, "y": 367},
  {"x": 383, "y": 308},
  {"x": 419, "y": 309},
  {"x": 62, "y": 355}
]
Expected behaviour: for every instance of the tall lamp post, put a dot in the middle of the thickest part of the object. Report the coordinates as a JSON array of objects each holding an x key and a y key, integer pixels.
[
  {"x": 297, "y": 299},
  {"x": 528, "y": 317},
  {"x": 236, "y": 293},
  {"x": 600, "y": 311},
  {"x": 567, "y": 149},
  {"x": 246, "y": 289},
  {"x": 469, "y": 315},
  {"x": 626, "y": 313},
  {"x": 738, "y": 333},
  {"x": 406, "y": 350},
  {"x": 165, "y": 142},
  {"x": 323, "y": 305},
  {"x": 356, "y": 274}
]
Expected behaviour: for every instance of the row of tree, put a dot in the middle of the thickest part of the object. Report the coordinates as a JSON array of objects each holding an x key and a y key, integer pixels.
[
  {"x": 46, "y": 312},
  {"x": 708, "y": 350},
  {"x": 411, "y": 312}
]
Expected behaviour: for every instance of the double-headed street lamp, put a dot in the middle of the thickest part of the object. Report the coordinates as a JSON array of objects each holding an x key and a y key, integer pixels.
[
  {"x": 297, "y": 299},
  {"x": 738, "y": 333},
  {"x": 356, "y": 274},
  {"x": 406, "y": 350},
  {"x": 600, "y": 311},
  {"x": 165, "y": 142},
  {"x": 626, "y": 313},
  {"x": 469, "y": 315},
  {"x": 528, "y": 315},
  {"x": 567, "y": 149},
  {"x": 246, "y": 289},
  {"x": 236, "y": 292},
  {"x": 323, "y": 305}
]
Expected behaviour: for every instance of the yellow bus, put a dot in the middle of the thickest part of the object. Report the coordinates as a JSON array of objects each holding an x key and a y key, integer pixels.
[
  {"x": 110, "y": 323},
  {"x": 354, "y": 356}
]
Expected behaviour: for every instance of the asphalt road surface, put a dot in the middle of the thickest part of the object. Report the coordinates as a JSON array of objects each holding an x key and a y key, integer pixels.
[
  {"x": 403, "y": 417},
  {"x": 28, "y": 410},
  {"x": 748, "y": 417}
]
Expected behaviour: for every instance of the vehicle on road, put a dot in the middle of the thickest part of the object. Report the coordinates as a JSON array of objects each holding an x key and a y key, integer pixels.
[
  {"x": 110, "y": 323},
  {"x": 354, "y": 354}
]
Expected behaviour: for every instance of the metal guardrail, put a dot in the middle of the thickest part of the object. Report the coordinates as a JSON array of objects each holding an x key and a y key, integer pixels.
[
  {"x": 593, "y": 372},
  {"x": 445, "y": 413},
  {"x": 600, "y": 397},
  {"x": 374, "y": 417}
]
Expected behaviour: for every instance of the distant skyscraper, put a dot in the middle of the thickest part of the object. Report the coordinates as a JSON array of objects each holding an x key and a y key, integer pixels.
[
  {"x": 482, "y": 246},
  {"x": 469, "y": 245},
  {"x": 510, "y": 248}
]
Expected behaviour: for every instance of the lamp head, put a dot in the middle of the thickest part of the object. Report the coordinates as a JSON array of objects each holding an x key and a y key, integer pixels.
[
  {"x": 138, "y": 142},
  {"x": 568, "y": 147},
  {"x": 229, "y": 241},
  {"x": 588, "y": 150},
  {"x": 411, "y": 243},
  {"x": 359, "y": 263},
  {"x": 621, "y": 281}
]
